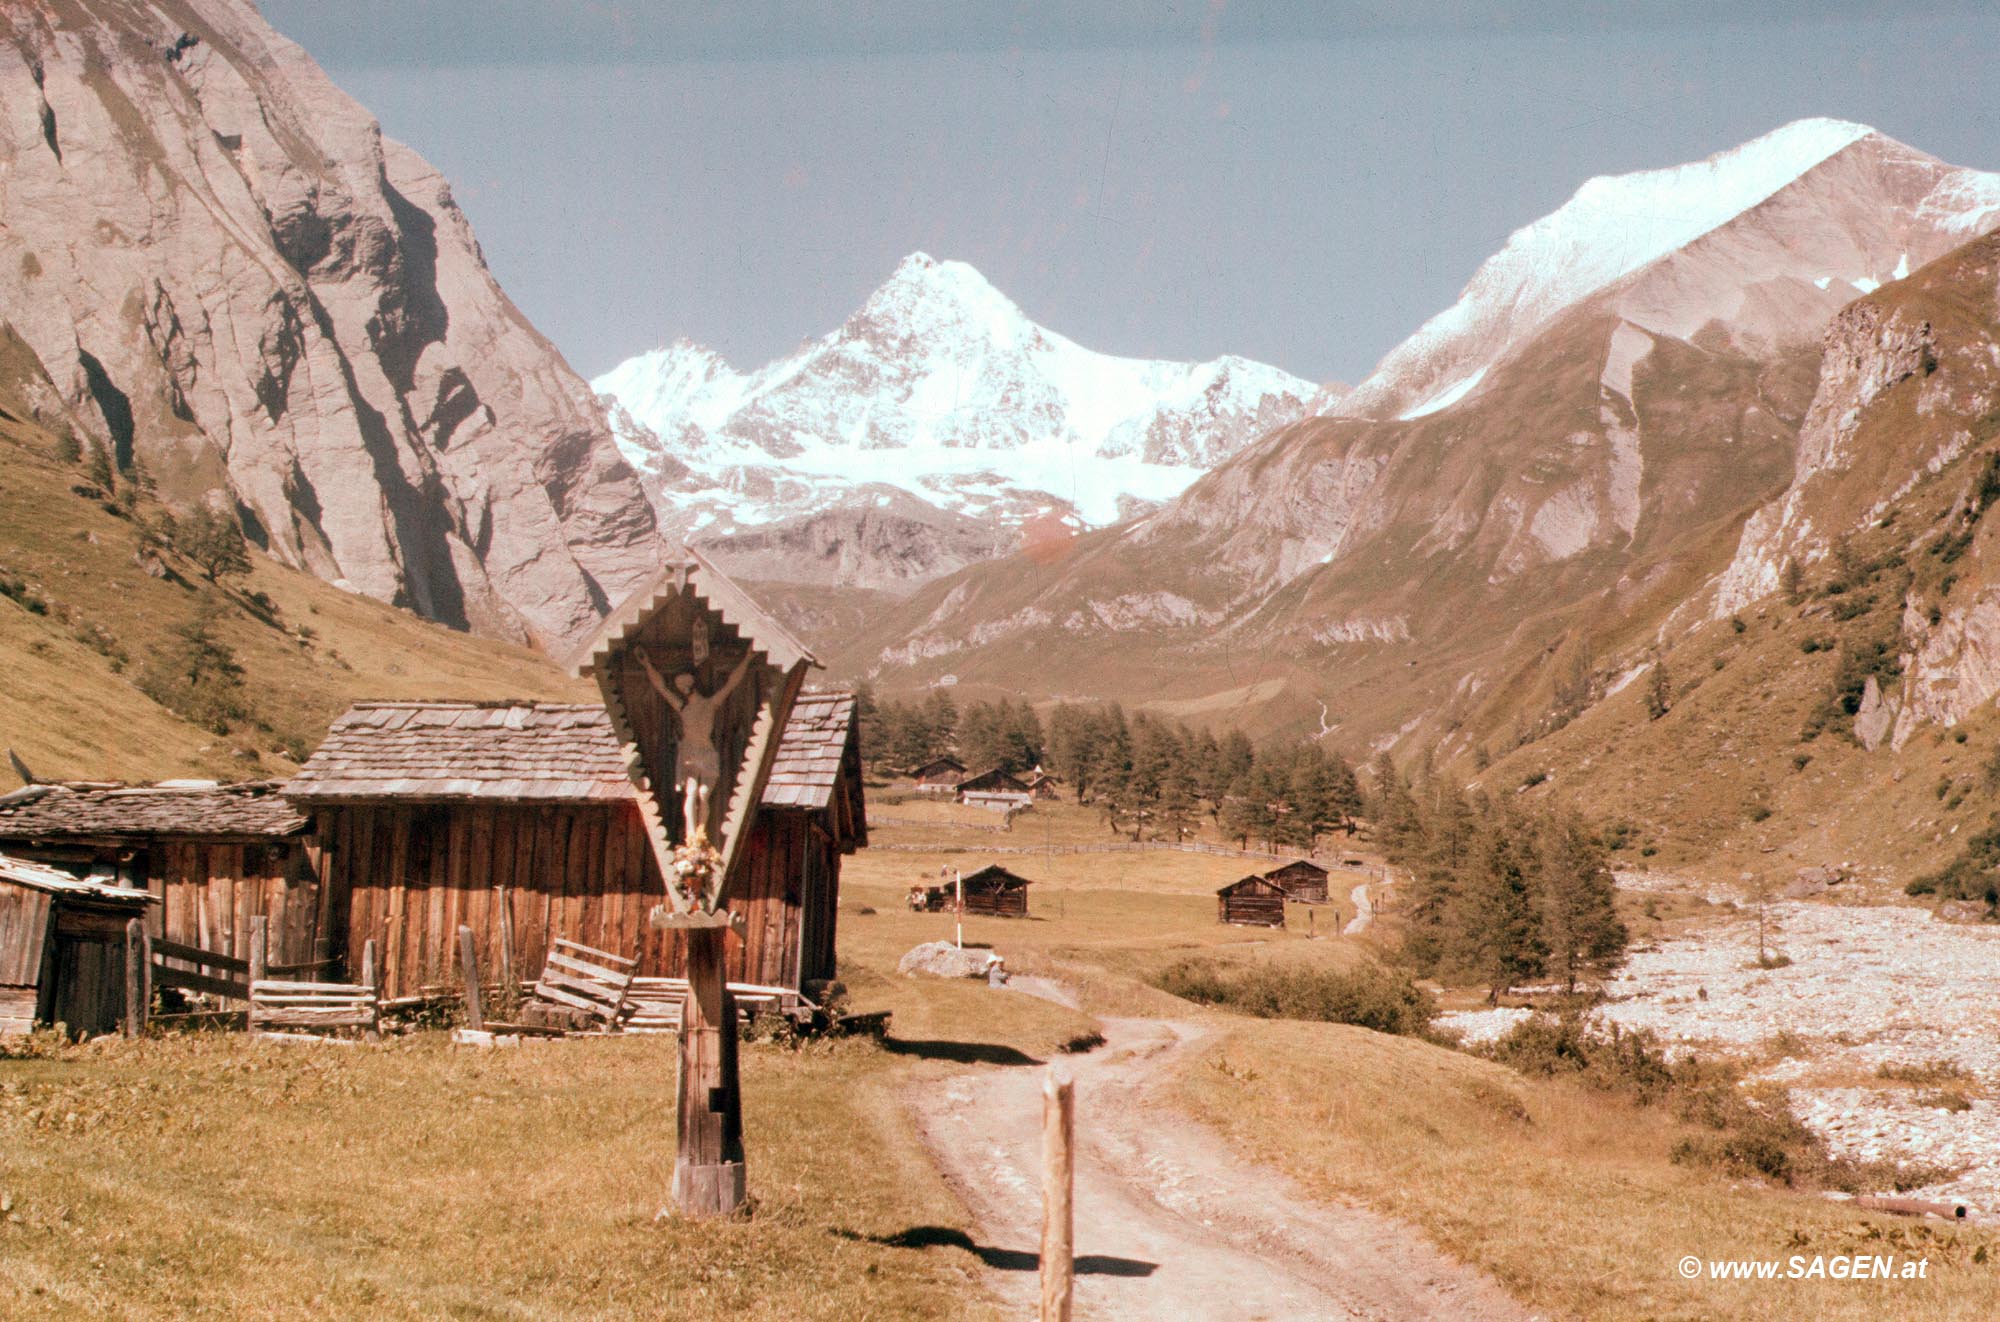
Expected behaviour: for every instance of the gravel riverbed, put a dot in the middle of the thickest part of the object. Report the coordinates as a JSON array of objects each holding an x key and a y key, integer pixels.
[{"x": 1869, "y": 986}]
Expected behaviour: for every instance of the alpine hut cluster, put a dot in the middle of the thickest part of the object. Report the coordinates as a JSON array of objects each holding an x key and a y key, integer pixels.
[{"x": 523, "y": 821}]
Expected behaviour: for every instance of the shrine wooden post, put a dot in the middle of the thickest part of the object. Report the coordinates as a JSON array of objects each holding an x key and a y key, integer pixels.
[{"x": 699, "y": 683}]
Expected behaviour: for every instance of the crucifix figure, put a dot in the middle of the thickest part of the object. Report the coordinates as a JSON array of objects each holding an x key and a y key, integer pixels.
[{"x": 696, "y": 755}]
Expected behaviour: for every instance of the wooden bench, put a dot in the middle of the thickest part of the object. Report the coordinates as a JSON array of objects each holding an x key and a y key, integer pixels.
[{"x": 593, "y": 982}]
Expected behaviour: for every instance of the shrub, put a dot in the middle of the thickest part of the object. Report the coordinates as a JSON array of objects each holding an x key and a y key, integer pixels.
[
  {"x": 1617, "y": 1061},
  {"x": 1367, "y": 997},
  {"x": 1736, "y": 623}
]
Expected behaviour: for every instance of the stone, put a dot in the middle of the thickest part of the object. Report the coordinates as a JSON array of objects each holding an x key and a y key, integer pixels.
[
  {"x": 942, "y": 959},
  {"x": 229, "y": 273},
  {"x": 1964, "y": 911}
]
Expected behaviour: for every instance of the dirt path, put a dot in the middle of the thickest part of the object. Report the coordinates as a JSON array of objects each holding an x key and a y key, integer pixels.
[
  {"x": 1169, "y": 1224},
  {"x": 1364, "y": 912}
]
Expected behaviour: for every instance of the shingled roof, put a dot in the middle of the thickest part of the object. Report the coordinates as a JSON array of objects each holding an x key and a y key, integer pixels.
[
  {"x": 58, "y": 811},
  {"x": 534, "y": 753}
]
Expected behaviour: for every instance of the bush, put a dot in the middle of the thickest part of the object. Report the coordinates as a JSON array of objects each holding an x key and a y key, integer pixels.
[
  {"x": 1367, "y": 997},
  {"x": 1548, "y": 1045}
]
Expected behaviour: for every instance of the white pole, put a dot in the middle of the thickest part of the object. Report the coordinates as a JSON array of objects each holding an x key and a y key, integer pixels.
[{"x": 958, "y": 881}]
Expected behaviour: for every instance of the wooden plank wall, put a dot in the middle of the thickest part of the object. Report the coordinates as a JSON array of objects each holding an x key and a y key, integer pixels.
[
  {"x": 210, "y": 890},
  {"x": 408, "y": 875},
  {"x": 24, "y": 932}
]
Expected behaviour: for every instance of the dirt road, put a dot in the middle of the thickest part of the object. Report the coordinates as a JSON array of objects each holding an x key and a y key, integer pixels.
[{"x": 1169, "y": 1224}]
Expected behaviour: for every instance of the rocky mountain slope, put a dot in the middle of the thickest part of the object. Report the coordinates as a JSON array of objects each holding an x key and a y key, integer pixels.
[
  {"x": 937, "y": 393},
  {"x": 125, "y": 662},
  {"x": 1480, "y": 579},
  {"x": 235, "y": 282}
]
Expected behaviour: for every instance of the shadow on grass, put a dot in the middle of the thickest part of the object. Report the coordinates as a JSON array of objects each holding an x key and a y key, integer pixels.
[
  {"x": 1006, "y": 1260},
  {"x": 961, "y": 1053}
]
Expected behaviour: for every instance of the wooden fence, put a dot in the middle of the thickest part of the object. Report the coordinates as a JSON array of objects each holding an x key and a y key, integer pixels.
[{"x": 1117, "y": 847}]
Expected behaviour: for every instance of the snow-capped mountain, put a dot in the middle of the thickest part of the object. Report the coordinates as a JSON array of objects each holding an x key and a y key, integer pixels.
[
  {"x": 939, "y": 387},
  {"x": 1896, "y": 209}
]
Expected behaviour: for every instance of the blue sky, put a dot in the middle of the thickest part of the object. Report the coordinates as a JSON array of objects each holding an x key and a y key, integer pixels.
[{"x": 1298, "y": 183}]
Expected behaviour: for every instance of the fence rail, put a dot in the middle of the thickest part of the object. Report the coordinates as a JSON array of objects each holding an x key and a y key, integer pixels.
[{"x": 1117, "y": 847}]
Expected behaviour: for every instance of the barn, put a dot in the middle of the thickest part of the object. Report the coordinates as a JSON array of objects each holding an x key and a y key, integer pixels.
[
  {"x": 62, "y": 948},
  {"x": 520, "y": 821},
  {"x": 998, "y": 788},
  {"x": 939, "y": 776},
  {"x": 1303, "y": 881},
  {"x": 215, "y": 856},
  {"x": 995, "y": 892},
  {"x": 1251, "y": 902}
]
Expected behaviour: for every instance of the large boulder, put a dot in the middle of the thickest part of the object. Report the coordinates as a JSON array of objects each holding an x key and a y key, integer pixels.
[{"x": 942, "y": 959}]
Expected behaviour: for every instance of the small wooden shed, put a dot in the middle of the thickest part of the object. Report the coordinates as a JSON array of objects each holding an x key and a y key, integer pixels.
[
  {"x": 1251, "y": 902},
  {"x": 1303, "y": 880},
  {"x": 215, "y": 856},
  {"x": 995, "y": 892},
  {"x": 997, "y": 788},
  {"x": 939, "y": 776},
  {"x": 62, "y": 948}
]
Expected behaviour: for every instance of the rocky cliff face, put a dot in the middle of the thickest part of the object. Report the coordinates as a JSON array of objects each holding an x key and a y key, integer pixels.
[
  {"x": 236, "y": 281},
  {"x": 1900, "y": 436}
]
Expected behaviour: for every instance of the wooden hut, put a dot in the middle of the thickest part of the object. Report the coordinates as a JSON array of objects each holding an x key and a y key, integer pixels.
[
  {"x": 1042, "y": 785},
  {"x": 1251, "y": 902},
  {"x": 997, "y": 788},
  {"x": 214, "y": 855},
  {"x": 1303, "y": 881},
  {"x": 995, "y": 892},
  {"x": 519, "y": 820},
  {"x": 62, "y": 948},
  {"x": 939, "y": 776}
]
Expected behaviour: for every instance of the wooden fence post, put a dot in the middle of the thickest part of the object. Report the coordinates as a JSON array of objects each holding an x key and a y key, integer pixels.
[
  {"x": 370, "y": 980},
  {"x": 135, "y": 978},
  {"x": 260, "y": 962},
  {"x": 475, "y": 1017},
  {"x": 1058, "y": 1187},
  {"x": 510, "y": 982}
]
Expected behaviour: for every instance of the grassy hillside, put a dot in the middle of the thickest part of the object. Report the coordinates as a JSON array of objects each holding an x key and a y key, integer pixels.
[{"x": 84, "y": 622}]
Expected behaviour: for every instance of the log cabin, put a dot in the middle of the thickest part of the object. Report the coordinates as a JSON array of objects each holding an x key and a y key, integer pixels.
[
  {"x": 1304, "y": 882},
  {"x": 998, "y": 788},
  {"x": 939, "y": 776},
  {"x": 215, "y": 856},
  {"x": 1251, "y": 902},
  {"x": 995, "y": 892},
  {"x": 62, "y": 948},
  {"x": 520, "y": 821}
]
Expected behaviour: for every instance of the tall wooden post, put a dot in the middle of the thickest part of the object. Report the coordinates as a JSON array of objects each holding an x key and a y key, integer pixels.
[
  {"x": 1058, "y": 1189},
  {"x": 708, "y": 1171},
  {"x": 468, "y": 956},
  {"x": 135, "y": 978},
  {"x": 260, "y": 963}
]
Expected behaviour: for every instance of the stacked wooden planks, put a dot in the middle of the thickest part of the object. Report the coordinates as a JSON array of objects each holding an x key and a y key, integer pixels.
[
  {"x": 595, "y": 982},
  {"x": 283, "y": 1007}
]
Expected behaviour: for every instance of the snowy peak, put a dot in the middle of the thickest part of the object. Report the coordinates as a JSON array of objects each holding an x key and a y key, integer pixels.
[
  {"x": 941, "y": 387},
  {"x": 1616, "y": 226},
  {"x": 927, "y": 297}
]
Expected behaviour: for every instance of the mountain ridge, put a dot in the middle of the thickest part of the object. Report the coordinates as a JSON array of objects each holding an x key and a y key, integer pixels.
[{"x": 940, "y": 387}]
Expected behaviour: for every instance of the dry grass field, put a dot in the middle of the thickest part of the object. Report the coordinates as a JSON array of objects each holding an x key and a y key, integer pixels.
[
  {"x": 1568, "y": 1197},
  {"x": 210, "y": 1176}
]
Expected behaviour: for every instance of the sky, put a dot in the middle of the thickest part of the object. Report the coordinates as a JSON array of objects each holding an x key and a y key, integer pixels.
[{"x": 1302, "y": 184}]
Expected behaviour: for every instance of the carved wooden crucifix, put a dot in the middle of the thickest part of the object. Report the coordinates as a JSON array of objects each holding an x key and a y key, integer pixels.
[{"x": 649, "y": 659}]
